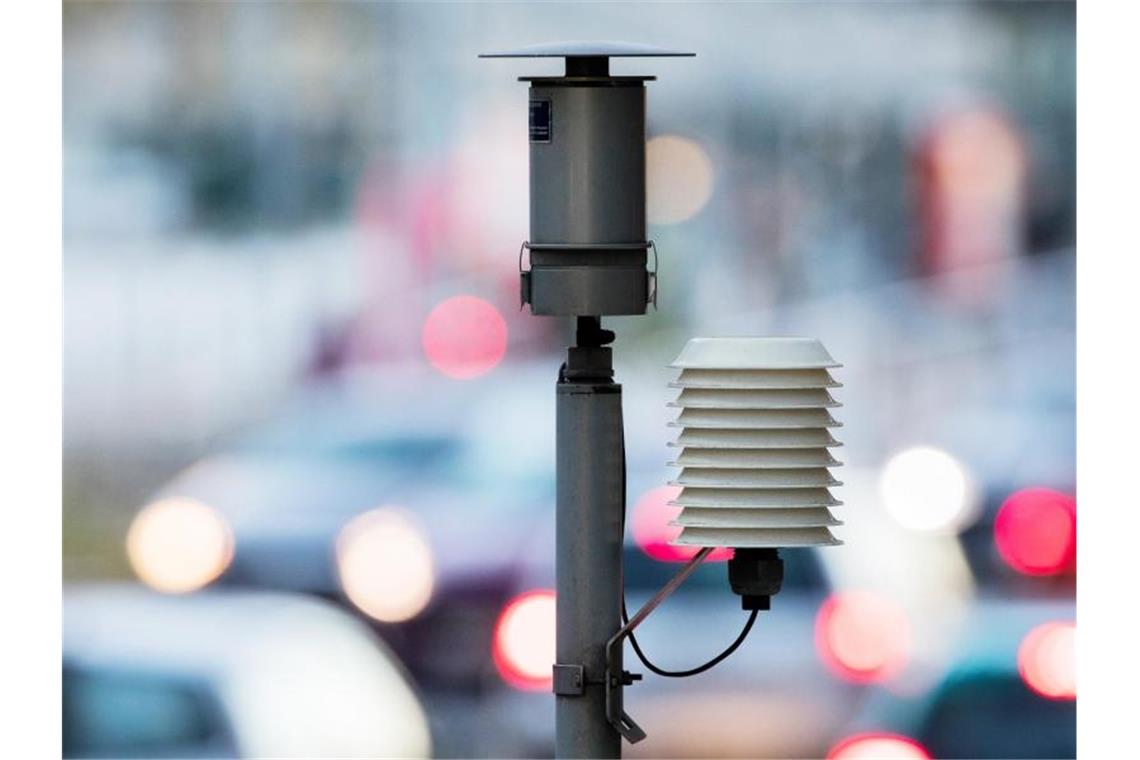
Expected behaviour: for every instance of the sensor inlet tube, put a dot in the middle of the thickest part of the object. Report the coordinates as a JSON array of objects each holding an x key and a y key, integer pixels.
[{"x": 588, "y": 554}]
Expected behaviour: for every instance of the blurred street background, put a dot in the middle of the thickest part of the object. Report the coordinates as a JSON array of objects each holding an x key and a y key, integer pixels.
[{"x": 309, "y": 434}]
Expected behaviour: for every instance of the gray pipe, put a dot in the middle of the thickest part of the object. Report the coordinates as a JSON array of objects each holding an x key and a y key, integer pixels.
[{"x": 589, "y": 557}]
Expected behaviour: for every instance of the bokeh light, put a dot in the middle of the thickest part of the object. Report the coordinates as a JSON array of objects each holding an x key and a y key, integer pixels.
[
  {"x": 1036, "y": 531},
  {"x": 385, "y": 565},
  {"x": 523, "y": 646},
  {"x": 863, "y": 636},
  {"x": 979, "y": 156},
  {"x": 176, "y": 545},
  {"x": 878, "y": 746},
  {"x": 465, "y": 337},
  {"x": 679, "y": 179},
  {"x": 925, "y": 489},
  {"x": 1046, "y": 660},
  {"x": 972, "y": 195},
  {"x": 651, "y": 531}
]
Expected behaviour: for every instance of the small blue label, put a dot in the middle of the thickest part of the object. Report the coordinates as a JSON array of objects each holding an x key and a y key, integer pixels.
[{"x": 540, "y": 121}]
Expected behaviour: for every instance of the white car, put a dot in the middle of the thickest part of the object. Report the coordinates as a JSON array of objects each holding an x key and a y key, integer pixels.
[{"x": 229, "y": 674}]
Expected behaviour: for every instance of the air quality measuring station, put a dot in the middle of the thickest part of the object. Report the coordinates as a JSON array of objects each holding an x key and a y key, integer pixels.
[{"x": 754, "y": 421}]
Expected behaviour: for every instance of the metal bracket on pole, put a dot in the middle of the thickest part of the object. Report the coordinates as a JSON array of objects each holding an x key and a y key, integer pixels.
[
  {"x": 616, "y": 678},
  {"x": 569, "y": 680}
]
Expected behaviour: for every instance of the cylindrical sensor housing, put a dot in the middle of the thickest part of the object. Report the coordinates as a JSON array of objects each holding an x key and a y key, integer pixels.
[
  {"x": 587, "y": 162},
  {"x": 588, "y": 247},
  {"x": 587, "y": 197}
]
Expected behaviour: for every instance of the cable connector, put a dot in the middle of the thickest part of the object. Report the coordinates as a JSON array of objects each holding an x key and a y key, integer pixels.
[{"x": 756, "y": 575}]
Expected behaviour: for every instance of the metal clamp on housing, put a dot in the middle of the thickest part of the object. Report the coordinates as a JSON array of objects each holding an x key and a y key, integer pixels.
[{"x": 574, "y": 279}]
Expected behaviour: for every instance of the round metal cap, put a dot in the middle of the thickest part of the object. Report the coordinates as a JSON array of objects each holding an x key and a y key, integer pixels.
[{"x": 586, "y": 50}]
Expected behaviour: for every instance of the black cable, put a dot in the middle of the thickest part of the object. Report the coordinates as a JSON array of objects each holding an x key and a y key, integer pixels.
[
  {"x": 625, "y": 615},
  {"x": 692, "y": 671}
]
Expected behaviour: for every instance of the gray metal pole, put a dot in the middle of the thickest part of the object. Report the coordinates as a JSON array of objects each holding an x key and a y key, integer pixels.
[{"x": 589, "y": 546}]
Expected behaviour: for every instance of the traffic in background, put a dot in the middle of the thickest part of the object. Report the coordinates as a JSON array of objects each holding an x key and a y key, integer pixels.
[{"x": 300, "y": 393}]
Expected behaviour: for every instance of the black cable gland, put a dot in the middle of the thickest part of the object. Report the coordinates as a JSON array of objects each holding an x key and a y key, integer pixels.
[{"x": 756, "y": 575}]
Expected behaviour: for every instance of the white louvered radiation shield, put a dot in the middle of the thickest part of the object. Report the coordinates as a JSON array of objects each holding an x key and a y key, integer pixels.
[{"x": 754, "y": 444}]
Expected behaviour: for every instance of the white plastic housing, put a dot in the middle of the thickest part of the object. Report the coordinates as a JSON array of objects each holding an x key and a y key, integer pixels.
[{"x": 754, "y": 439}]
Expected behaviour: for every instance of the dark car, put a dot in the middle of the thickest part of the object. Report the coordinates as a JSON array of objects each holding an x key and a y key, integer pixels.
[{"x": 1009, "y": 691}]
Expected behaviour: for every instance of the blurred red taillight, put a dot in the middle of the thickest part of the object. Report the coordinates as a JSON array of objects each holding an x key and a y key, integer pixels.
[
  {"x": 1036, "y": 531},
  {"x": 652, "y": 532},
  {"x": 878, "y": 746},
  {"x": 523, "y": 644},
  {"x": 1046, "y": 660},
  {"x": 863, "y": 636},
  {"x": 464, "y": 337}
]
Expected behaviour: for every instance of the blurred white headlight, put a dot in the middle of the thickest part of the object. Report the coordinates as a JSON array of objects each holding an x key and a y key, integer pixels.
[
  {"x": 926, "y": 489},
  {"x": 385, "y": 565},
  {"x": 176, "y": 545}
]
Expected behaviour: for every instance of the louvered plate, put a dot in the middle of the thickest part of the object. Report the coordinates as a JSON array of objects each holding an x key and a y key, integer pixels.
[
  {"x": 755, "y": 379},
  {"x": 735, "y": 398},
  {"x": 755, "y": 418},
  {"x": 754, "y": 353},
  {"x": 756, "y": 538},
  {"x": 755, "y": 458},
  {"x": 728, "y": 478},
  {"x": 719, "y": 438},
  {"x": 756, "y": 518},
  {"x": 754, "y": 498}
]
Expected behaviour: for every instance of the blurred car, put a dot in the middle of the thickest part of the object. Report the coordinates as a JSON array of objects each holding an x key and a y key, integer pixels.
[
  {"x": 379, "y": 494},
  {"x": 1010, "y": 692},
  {"x": 229, "y": 674},
  {"x": 399, "y": 497}
]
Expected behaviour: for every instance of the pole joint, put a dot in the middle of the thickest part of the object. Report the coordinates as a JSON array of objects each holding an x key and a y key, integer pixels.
[{"x": 590, "y": 360}]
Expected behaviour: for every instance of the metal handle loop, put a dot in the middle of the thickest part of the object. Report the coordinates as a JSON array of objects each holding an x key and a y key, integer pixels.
[{"x": 652, "y": 284}]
